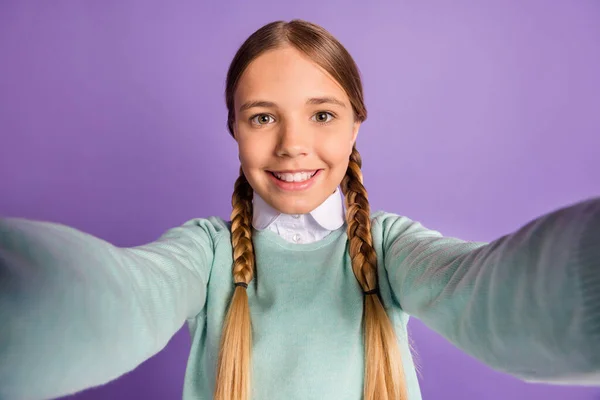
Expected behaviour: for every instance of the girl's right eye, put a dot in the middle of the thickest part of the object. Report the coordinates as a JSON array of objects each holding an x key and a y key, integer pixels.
[{"x": 261, "y": 119}]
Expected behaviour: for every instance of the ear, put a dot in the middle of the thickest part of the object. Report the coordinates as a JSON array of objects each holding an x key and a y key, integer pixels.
[
  {"x": 234, "y": 132},
  {"x": 355, "y": 130}
]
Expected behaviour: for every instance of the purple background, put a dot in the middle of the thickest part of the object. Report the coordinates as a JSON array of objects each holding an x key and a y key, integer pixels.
[{"x": 482, "y": 116}]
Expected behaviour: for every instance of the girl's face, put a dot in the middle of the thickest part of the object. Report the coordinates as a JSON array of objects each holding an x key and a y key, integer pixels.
[{"x": 295, "y": 130}]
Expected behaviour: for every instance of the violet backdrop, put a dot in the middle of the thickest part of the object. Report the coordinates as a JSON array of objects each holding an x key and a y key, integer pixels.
[{"x": 482, "y": 116}]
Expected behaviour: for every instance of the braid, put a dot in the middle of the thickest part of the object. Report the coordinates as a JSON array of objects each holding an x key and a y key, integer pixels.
[
  {"x": 384, "y": 373},
  {"x": 362, "y": 253},
  {"x": 233, "y": 369},
  {"x": 241, "y": 232}
]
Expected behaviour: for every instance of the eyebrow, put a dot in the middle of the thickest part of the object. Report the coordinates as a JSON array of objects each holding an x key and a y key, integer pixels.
[
  {"x": 312, "y": 101},
  {"x": 325, "y": 100}
]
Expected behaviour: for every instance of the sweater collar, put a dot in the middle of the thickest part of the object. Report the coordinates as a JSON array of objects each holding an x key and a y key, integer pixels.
[{"x": 329, "y": 215}]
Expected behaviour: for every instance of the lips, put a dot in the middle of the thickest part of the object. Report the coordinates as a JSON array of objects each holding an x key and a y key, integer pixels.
[
  {"x": 295, "y": 181},
  {"x": 294, "y": 176}
]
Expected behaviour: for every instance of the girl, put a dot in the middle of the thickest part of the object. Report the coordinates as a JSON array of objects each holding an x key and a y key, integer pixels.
[{"x": 317, "y": 301}]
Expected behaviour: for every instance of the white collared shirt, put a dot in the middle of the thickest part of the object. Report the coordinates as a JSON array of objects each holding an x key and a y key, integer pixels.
[{"x": 300, "y": 228}]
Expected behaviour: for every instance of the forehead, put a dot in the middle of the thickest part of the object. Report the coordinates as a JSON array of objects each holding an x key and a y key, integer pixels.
[{"x": 286, "y": 76}]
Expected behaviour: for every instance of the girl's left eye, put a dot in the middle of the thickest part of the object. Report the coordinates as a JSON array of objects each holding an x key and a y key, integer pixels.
[
  {"x": 261, "y": 119},
  {"x": 323, "y": 117}
]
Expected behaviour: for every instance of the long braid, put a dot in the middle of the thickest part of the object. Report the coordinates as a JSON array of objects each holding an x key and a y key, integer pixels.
[
  {"x": 241, "y": 231},
  {"x": 384, "y": 373},
  {"x": 233, "y": 369}
]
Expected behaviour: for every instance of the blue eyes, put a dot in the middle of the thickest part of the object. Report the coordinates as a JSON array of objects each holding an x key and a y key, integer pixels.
[{"x": 322, "y": 117}]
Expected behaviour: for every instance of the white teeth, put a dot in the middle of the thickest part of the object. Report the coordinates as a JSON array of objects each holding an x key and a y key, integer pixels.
[{"x": 297, "y": 177}]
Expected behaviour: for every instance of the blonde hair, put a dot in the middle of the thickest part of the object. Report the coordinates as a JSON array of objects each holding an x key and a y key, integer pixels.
[{"x": 384, "y": 374}]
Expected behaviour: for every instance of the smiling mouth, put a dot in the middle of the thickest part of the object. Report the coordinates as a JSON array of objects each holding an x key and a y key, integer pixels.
[{"x": 295, "y": 176}]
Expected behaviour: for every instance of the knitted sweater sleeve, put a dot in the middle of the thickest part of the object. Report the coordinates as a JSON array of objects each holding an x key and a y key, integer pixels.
[
  {"x": 527, "y": 304},
  {"x": 77, "y": 311}
]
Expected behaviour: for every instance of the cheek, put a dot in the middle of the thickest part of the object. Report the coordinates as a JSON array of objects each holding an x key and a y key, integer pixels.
[
  {"x": 251, "y": 152},
  {"x": 336, "y": 152}
]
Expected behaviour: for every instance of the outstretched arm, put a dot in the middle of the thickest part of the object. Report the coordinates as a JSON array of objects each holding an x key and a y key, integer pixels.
[
  {"x": 527, "y": 304},
  {"x": 76, "y": 311}
]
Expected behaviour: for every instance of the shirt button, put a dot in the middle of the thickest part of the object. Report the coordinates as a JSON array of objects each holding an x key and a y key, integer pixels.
[
  {"x": 296, "y": 238},
  {"x": 296, "y": 216}
]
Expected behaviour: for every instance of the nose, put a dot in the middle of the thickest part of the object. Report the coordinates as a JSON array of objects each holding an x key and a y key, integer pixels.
[{"x": 293, "y": 140}]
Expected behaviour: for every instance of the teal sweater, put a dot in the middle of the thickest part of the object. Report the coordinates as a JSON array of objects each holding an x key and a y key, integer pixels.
[{"x": 76, "y": 311}]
